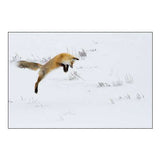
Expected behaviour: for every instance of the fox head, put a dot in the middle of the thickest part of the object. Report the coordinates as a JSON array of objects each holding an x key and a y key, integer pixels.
[{"x": 72, "y": 61}]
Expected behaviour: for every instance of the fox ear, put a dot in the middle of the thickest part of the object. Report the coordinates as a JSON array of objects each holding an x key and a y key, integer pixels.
[{"x": 75, "y": 58}]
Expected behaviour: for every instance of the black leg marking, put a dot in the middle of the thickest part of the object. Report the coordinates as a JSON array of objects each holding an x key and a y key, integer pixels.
[
  {"x": 36, "y": 90},
  {"x": 65, "y": 67},
  {"x": 39, "y": 79}
]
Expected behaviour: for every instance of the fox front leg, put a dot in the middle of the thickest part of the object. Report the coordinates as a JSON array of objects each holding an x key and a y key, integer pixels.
[{"x": 65, "y": 67}]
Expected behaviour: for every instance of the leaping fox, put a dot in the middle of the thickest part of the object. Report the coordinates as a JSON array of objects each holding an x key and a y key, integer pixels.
[{"x": 61, "y": 60}]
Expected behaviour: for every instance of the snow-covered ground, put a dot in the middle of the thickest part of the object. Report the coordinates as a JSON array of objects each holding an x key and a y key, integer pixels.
[{"x": 110, "y": 87}]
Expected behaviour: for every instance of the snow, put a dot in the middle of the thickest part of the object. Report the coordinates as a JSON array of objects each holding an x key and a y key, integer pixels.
[{"x": 109, "y": 87}]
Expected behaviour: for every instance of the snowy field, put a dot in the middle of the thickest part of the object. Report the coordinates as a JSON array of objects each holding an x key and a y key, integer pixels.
[{"x": 109, "y": 87}]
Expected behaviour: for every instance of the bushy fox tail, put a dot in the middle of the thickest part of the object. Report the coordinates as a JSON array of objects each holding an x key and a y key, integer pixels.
[{"x": 29, "y": 65}]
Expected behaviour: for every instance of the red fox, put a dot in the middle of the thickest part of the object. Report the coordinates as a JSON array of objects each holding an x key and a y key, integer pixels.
[{"x": 61, "y": 60}]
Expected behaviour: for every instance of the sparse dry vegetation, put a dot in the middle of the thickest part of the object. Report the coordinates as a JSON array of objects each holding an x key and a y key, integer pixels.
[
  {"x": 82, "y": 53},
  {"x": 128, "y": 79},
  {"x": 74, "y": 76},
  {"x": 128, "y": 97}
]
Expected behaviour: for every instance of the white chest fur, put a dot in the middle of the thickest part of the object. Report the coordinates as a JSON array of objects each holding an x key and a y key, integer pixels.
[{"x": 67, "y": 62}]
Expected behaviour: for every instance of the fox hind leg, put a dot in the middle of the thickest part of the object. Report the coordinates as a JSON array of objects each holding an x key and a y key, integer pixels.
[
  {"x": 36, "y": 84},
  {"x": 41, "y": 76}
]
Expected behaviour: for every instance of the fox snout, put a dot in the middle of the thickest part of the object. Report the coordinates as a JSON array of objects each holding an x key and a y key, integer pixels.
[{"x": 76, "y": 58}]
